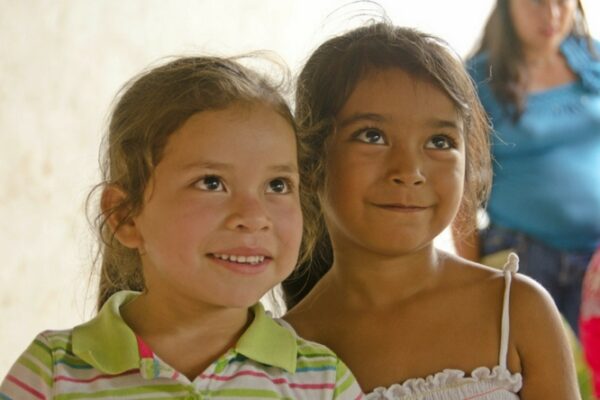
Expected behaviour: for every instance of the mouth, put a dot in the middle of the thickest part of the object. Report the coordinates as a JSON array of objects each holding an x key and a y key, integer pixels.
[
  {"x": 408, "y": 208},
  {"x": 240, "y": 259},
  {"x": 548, "y": 31}
]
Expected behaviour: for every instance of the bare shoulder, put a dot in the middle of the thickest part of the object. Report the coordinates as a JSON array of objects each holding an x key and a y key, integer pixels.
[
  {"x": 463, "y": 270},
  {"x": 532, "y": 309},
  {"x": 539, "y": 337},
  {"x": 538, "y": 345},
  {"x": 533, "y": 315}
]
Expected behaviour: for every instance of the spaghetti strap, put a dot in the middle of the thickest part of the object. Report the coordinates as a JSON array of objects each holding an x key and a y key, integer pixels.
[{"x": 510, "y": 268}]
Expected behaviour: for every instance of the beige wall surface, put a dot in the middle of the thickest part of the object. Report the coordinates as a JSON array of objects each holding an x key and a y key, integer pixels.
[{"x": 62, "y": 61}]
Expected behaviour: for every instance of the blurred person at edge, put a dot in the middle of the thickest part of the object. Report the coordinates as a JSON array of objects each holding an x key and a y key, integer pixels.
[
  {"x": 589, "y": 323},
  {"x": 537, "y": 71}
]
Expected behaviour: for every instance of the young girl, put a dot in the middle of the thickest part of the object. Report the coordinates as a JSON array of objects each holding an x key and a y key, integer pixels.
[
  {"x": 200, "y": 213},
  {"x": 394, "y": 145}
]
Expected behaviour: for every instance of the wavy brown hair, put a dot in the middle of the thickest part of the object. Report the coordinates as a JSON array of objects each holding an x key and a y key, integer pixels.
[
  {"x": 149, "y": 108},
  {"x": 323, "y": 86},
  {"x": 509, "y": 79}
]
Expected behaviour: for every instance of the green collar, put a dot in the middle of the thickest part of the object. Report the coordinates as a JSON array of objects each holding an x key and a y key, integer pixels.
[{"x": 109, "y": 345}]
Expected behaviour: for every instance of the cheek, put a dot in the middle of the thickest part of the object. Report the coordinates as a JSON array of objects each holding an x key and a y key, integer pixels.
[
  {"x": 568, "y": 20},
  {"x": 350, "y": 175},
  {"x": 288, "y": 220},
  {"x": 452, "y": 178}
]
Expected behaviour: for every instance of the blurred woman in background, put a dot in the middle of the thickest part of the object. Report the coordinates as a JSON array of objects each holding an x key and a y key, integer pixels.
[{"x": 537, "y": 72}]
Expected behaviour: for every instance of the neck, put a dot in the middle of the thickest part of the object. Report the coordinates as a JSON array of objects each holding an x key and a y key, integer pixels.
[
  {"x": 536, "y": 58},
  {"x": 368, "y": 281},
  {"x": 152, "y": 315},
  {"x": 169, "y": 326}
]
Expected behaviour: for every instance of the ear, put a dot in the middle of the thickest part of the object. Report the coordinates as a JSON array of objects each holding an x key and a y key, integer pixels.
[{"x": 118, "y": 217}]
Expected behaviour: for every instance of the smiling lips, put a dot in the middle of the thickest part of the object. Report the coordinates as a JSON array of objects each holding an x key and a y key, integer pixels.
[
  {"x": 243, "y": 264},
  {"x": 407, "y": 208},
  {"x": 239, "y": 259}
]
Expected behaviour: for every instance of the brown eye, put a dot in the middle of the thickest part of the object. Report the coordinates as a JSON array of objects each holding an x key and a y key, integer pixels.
[
  {"x": 211, "y": 183},
  {"x": 440, "y": 142},
  {"x": 279, "y": 185},
  {"x": 370, "y": 135}
]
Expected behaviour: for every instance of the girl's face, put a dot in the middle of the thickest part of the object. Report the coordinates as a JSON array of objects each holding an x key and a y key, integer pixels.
[
  {"x": 221, "y": 222},
  {"x": 542, "y": 25},
  {"x": 395, "y": 166}
]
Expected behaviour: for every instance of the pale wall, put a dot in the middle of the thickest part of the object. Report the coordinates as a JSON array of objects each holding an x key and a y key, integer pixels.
[{"x": 60, "y": 64}]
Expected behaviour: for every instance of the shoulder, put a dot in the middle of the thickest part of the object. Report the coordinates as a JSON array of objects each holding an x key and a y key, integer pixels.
[
  {"x": 50, "y": 343},
  {"x": 466, "y": 271},
  {"x": 580, "y": 44},
  {"x": 314, "y": 358},
  {"x": 537, "y": 331},
  {"x": 34, "y": 369},
  {"x": 538, "y": 337},
  {"x": 584, "y": 62},
  {"x": 532, "y": 311},
  {"x": 530, "y": 301},
  {"x": 478, "y": 67}
]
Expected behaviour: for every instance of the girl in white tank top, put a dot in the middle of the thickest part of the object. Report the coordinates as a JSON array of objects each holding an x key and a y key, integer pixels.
[{"x": 394, "y": 147}]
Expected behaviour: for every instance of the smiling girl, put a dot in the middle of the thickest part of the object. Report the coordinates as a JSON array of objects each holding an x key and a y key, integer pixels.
[
  {"x": 394, "y": 147},
  {"x": 201, "y": 216}
]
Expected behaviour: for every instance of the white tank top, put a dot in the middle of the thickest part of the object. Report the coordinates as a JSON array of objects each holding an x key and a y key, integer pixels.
[{"x": 451, "y": 384}]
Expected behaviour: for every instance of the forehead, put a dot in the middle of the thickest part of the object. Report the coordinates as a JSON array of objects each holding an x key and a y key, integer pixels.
[
  {"x": 395, "y": 92},
  {"x": 238, "y": 132}
]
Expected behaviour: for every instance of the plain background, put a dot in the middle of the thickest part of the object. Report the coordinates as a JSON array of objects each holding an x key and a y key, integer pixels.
[{"x": 61, "y": 63}]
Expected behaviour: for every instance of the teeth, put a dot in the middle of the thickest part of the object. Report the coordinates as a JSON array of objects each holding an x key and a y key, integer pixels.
[{"x": 252, "y": 260}]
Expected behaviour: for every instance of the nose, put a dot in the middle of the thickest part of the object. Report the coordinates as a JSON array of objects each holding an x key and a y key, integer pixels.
[
  {"x": 248, "y": 214},
  {"x": 406, "y": 169},
  {"x": 552, "y": 9}
]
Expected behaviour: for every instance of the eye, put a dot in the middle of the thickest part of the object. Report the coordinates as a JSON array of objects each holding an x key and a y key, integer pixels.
[
  {"x": 441, "y": 142},
  {"x": 279, "y": 185},
  {"x": 211, "y": 183},
  {"x": 370, "y": 135}
]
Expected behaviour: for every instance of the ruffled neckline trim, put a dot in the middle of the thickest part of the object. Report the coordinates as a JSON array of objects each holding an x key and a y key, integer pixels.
[{"x": 499, "y": 375}]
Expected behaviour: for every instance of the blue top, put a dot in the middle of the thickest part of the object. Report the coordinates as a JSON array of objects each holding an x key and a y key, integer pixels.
[{"x": 547, "y": 165}]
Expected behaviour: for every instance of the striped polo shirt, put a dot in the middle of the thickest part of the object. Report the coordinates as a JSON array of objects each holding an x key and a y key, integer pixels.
[{"x": 104, "y": 359}]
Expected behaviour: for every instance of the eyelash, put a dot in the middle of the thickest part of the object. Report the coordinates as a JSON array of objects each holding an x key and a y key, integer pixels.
[
  {"x": 360, "y": 136},
  {"x": 289, "y": 184},
  {"x": 450, "y": 142},
  {"x": 203, "y": 180},
  {"x": 361, "y": 132}
]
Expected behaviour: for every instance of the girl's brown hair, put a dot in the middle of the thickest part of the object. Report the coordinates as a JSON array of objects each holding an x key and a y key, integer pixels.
[
  {"x": 148, "y": 110},
  {"x": 323, "y": 86},
  {"x": 509, "y": 79}
]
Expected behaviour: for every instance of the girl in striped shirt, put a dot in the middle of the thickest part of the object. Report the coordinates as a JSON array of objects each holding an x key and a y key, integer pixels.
[{"x": 200, "y": 216}]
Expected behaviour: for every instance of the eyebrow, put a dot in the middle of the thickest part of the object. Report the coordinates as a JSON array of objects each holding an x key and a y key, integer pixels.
[
  {"x": 443, "y": 123},
  {"x": 433, "y": 122},
  {"x": 215, "y": 165},
  {"x": 361, "y": 117}
]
